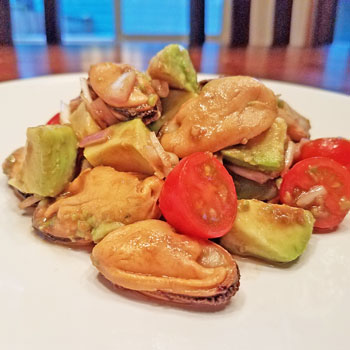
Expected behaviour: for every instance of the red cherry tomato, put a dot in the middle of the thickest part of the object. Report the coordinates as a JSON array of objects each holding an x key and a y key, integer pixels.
[
  {"x": 324, "y": 179},
  {"x": 332, "y": 147},
  {"x": 54, "y": 120},
  {"x": 199, "y": 197}
]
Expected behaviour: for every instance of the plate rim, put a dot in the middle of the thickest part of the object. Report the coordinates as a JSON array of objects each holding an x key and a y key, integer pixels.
[{"x": 82, "y": 74}]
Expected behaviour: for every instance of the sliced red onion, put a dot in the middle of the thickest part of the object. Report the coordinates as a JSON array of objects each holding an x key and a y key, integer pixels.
[
  {"x": 306, "y": 198},
  {"x": 298, "y": 147},
  {"x": 29, "y": 201},
  {"x": 85, "y": 165},
  {"x": 168, "y": 160},
  {"x": 97, "y": 137},
  {"x": 161, "y": 87},
  {"x": 101, "y": 113},
  {"x": 289, "y": 156},
  {"x": 74, "y": 104},
  {"x": 65, "y": 113},
  {"x": 85, "y": 90},
  {"x": 253, "y": 175},
  {"x": 121, "y": 89}
]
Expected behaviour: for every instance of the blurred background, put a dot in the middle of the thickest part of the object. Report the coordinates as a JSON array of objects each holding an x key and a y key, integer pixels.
[{"x": 303, "y": 41}]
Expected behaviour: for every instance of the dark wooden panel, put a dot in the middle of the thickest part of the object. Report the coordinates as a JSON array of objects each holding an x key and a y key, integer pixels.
[
  {"x": 197, "y": 33},
  {"x": 283, "y": 17},
  {"x": 52, "y": 24},
  {"x": 5, "y": 23},
  {"x": 325, "y": 22},
  {"x": 240, "y": 22}
]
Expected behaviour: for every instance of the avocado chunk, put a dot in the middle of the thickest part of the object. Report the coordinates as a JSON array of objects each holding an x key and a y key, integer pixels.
[
  {"x": 248, "y": 189},
  {"x": 264, "y": 152},
  {"x": 82, "y": 122},
  {"x": 130, "y": 147},
  {"x": 274, "y": 232},
  {"x": 173, "y": 65},
  {"x": 170, "y": 105},
  {"x": 102, "y": 230},
  {"x": 49, "y": 160}
]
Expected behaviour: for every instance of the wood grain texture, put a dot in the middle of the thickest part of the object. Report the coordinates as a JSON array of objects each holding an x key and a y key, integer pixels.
[{"x": 320, "y": 67}]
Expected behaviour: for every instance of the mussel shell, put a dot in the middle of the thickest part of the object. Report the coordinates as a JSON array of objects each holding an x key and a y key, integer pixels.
[
  {"x": 13, "y": 163},
  {"x": 221, "y": 298},
  {"x": 41, "y": 225},
  {"x": 145, "y": 112}
]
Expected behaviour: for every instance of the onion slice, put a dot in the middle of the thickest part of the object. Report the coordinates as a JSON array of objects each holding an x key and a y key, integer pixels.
[
  {"x": 161, "y": 87},
  {"x": 298, "y": 147},
  {"x": 65, "y": 113},
  {"x": 306, "y": 198},
  {"x": 253, "y": 175},
  {"x": 168, "y": 159},
  {"x": 121, "y": 89},
  {"x": 74, "y": 104},
  {"x": 85, "y": 91},
  {"x": 29, "y": 201},
  {"x": 101, "y": 113},
  {"x": 97, "y": 137},
  {"x": 289, "y": 156}
]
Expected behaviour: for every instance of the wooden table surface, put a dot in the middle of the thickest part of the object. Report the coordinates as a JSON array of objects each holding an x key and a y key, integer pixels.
[{"x": 327, "y": 67}]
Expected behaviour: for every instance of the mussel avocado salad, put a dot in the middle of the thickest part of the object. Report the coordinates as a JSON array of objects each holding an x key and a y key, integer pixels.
[{"x": 170, "y": 179}]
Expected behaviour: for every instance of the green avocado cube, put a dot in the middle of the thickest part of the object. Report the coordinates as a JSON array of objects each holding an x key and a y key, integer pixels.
[
  {"x": 128, "y": 148},
  {"x": 273, "y": 232},
  {"x": 266, "y": 152},
  {"x": 82, "y": 123},
  {"x": 49, "y": 162},
  {"x": 173, "y": 65},
  {"x": 170, "y": 106}
]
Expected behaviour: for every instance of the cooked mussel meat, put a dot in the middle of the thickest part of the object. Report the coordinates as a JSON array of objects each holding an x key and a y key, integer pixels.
[
  {"x": 120, "y": 91},
  {"x": 239, "y": 107},
  {"x": 151, "y": 258},
  {"x": 98, "y": 199}
]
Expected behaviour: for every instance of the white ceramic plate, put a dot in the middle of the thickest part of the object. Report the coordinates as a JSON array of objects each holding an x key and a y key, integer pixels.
[{"x": 52, "y": 298}]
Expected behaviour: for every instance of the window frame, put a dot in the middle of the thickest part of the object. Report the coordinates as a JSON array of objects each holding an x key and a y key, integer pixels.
[{"x": 223, "y": 37}]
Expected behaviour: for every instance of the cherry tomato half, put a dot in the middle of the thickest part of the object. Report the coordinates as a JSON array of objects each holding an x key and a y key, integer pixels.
[
  {"x": 332, "y": 147},
  {"x": 54, "y": 120},
  {"x": 328, "y": 183},
  {"x": 199, "y": 197}
]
